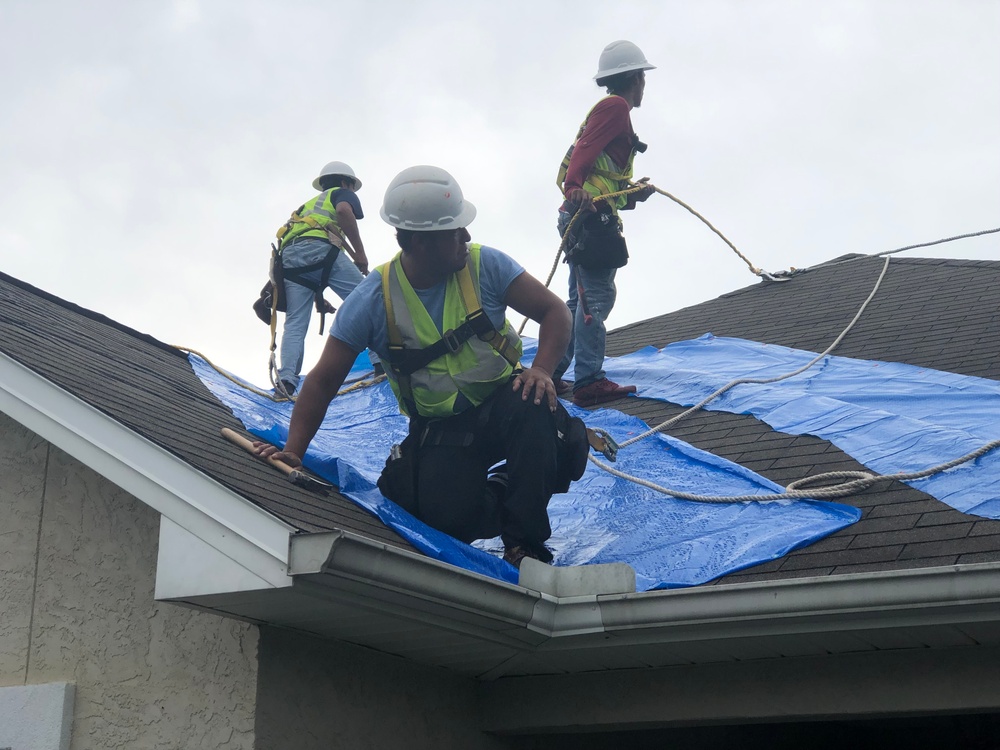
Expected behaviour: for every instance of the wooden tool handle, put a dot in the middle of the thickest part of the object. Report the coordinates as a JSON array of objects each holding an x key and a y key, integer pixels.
[{"x": 234, "y": 437}]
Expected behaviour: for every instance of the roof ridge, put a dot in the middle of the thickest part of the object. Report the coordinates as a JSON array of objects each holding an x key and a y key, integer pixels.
[
  {"x": 852, "y": 257},
  {"x": 90, "y": 314}
]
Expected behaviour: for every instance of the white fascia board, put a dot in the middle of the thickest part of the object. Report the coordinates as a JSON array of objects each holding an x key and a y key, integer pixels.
[
  {"x": 191, "y": 499},
  {"x": 906, "y": 598},
  {"x": 187, "y": 567},
  {"x": 899, "y": 598},
  {"x": 330, "y": 557}
]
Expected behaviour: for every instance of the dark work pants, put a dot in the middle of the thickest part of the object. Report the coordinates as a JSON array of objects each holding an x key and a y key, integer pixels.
[{"x": 452, "y": 492}]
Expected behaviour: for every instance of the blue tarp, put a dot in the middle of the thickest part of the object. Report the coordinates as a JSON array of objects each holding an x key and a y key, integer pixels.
[
  {"x": 670, "y": 543},
  {"x": 891, "y": 417}
]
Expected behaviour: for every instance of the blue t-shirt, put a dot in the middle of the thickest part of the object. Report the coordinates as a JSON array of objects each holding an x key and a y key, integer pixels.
[
  {"x": 343, "y": 195},
  {"x": 360, "y": 322}
]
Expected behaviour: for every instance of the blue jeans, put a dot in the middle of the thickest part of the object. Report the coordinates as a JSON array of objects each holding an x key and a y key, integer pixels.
[
  {"x": 587, "y": 341},
  {"x": 344, "y": 276}
]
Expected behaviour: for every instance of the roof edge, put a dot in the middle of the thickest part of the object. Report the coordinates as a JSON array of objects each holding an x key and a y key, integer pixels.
[
  {"x": 922, "y": 596},
  {"x": 927, "y": 596},
  {"x": 91, "y": 314},
  {"x": 168, "y": 484}
]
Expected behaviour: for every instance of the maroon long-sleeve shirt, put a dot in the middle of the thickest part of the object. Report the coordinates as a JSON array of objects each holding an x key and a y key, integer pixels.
[{"x": 609, "y": 129}]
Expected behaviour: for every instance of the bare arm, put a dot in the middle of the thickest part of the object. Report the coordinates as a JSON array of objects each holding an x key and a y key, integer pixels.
[
  {"x": 318, "y": 390},
  {"x": 349, "y": 225},
  {"x": 529, "y": 297}
]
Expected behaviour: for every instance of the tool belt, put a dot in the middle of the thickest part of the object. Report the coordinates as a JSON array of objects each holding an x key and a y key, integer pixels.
[
  {"x": 599, "y": 243},
  {"x": 278, "y": 275},
  {"x": 398, "y": 481}
]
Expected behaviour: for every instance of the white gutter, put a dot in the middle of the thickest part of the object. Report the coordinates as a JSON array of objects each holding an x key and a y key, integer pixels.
[
  {"x": 904, "y": 598},
  {"x": 171, "y": 486},
  {"x": 338, "y": 555}
]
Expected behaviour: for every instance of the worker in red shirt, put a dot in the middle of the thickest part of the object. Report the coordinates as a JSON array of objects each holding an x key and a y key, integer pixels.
[{"x": 599, "y": 163}]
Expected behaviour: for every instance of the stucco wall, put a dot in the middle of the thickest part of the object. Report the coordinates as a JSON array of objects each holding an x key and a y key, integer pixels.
[
  {"x": 318, "y": 695},
  {"x": 77, "y": 566}
]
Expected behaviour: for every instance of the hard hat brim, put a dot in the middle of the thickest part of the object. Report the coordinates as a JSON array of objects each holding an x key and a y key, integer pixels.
[
  {"x": 458, "y": 222},
  {"x": 624, "y": 69},
  {"x": 357, "y": 182}
]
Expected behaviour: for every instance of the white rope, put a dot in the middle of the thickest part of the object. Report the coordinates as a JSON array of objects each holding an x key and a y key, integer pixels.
[
  {"x": 764, "y": 381},
  {"x": 856, "y": 481},
  {"x": 831, "y": 264},
  {"x": 859, "y": 480}
]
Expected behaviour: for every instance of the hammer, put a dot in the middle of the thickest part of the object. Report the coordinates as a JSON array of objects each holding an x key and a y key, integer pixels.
[{"x": 295, "y": 476}]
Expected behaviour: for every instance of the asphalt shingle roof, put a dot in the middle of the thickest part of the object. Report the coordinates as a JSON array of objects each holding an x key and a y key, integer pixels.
[
  {"x": 150, "y": 388},
  {"x": 943, "y": 314}
]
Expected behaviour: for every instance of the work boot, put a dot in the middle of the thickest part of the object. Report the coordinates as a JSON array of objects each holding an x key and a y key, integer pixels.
[
  {"x": 285, "y": 388},
  {"x": 601, "y": 391},
  {"x": 563, "y": 388},
  {"x": 515, "y": 554}
]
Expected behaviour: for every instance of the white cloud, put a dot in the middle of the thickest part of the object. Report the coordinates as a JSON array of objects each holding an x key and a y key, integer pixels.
[{"x": 150, "y": 151}]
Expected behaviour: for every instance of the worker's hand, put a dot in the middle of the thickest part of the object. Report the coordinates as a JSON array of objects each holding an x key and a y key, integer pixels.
[
  {"x": 328, "y": 308},
  {"x": 647, "y": 190},
  {"x": 266, "y": 451},
  {"x": 580, "y": 197},
  {"x": 534, "y": 381},
  {"x": 361, "y": 261}
]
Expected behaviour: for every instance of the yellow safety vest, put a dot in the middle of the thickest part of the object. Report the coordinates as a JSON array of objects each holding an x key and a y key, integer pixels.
[
  {"x": 316, "y": 217},
  {"x": 475, "y": 368},
  {"x": 605, "y": 177}
]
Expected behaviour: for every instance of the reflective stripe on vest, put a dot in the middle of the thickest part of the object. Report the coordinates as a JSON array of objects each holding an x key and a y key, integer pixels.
[
  {"x": 476, "y": 370},
  {"x": 605, "y": 177},
  {"x": 315, "y": 218}
]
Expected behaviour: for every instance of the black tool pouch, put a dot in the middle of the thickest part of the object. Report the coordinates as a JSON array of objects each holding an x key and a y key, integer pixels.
[
  {"x": 600, "y": 243},
  {"x": 398, "y": 481},
  {"x": 573, "y": 448},
  {"x": 275, "y": 285},
  {"x": 263, "y": 304}
]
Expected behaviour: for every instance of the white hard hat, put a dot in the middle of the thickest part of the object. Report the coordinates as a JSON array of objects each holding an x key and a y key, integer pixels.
[
  {"x": 621, "y": 57},
  {"x": 337, "y": 168},
  {"x": 426, "y": 199}
]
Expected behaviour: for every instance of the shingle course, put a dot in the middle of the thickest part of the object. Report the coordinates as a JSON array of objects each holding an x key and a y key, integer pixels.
[
  {"x": 150, "y": 388},
  {"x": 935, "y": 313}
]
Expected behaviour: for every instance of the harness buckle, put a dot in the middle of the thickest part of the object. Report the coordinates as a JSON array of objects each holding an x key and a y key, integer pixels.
[
  {"x": 451, "y": 341},
  {"x": 601, "y": 441},
  {"x": 481, "y": 324}
]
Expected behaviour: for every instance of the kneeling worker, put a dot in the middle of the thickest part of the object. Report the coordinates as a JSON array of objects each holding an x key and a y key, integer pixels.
[{"x": 469, "y": 403}]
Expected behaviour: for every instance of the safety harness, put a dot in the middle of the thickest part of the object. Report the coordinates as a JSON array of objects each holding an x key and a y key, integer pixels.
[
  {"x": 404, "y": 362},
  {"x": 296, "y": 275},
  {"x": 604, "y": 177}
]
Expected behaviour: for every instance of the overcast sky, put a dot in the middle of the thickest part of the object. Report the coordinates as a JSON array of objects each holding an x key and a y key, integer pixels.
[{"x": 150, "y": 149}]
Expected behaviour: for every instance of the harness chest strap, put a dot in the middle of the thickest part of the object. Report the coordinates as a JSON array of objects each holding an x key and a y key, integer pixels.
[{"x": 404, "y": 361}]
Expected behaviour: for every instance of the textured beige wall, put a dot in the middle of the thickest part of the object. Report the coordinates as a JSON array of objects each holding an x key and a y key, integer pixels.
[
  {"x": 147, "y": 675},
  {"x": 22, "y": 468},
  {"x": 320, "y": 695}
]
